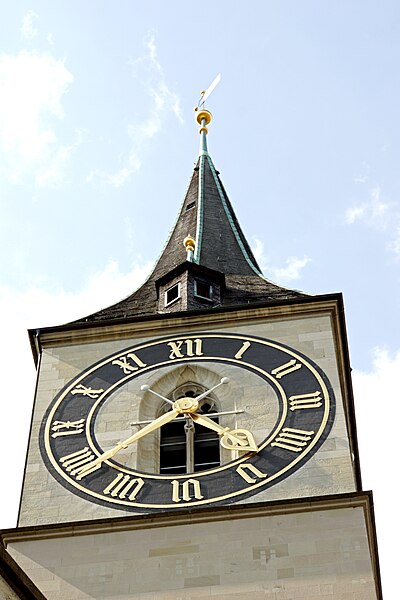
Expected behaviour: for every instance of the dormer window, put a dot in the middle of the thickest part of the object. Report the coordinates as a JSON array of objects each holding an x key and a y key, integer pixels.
[
  {"x": 189, "y": 286},
  {"x": 203, "y": 290},
  {"x": 172, "y": 294}
]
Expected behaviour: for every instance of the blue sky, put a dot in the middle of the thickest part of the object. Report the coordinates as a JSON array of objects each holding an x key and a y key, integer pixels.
[{"x": 97, "y": 143}]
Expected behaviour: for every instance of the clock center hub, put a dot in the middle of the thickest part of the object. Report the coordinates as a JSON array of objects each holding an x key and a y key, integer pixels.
[{"x": 186, "y": 405}]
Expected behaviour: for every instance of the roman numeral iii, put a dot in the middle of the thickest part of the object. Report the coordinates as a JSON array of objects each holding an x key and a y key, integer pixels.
[{"x": 302, "y": 401}]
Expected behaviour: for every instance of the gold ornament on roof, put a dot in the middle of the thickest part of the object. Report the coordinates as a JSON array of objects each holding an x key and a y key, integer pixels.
[
  {"x": 203, "y": 116},
  {"x": 189, "y": 243}
]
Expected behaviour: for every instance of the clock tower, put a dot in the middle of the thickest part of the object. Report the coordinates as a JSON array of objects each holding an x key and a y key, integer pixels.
[{"x": 197, "y": 439}]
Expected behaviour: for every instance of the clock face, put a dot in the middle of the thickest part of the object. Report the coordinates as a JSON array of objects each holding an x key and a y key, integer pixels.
[{"x": 295, "y": 412}]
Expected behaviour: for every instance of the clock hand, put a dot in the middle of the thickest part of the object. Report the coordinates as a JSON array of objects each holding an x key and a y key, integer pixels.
[
  {"x": 209, "y": 423},
  {"x": 204, "y": 394},
  {"x": 232, "y": 439},
  {"x": 146, "y": 388},
  {"x": 169, "y": 416}
]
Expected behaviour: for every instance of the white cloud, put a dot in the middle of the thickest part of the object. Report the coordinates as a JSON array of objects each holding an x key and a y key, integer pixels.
[
  {"x": 352, "y": 214},
  {"x": 363, "y": 175},
  {"x": 394, "y": 244},
  {"x": 375, "y": 211},
  {"x": 360, "y": 179},
  {"x": 163, "y": 101},
  {"x": 377, "y": 398},
  {"x": 28, "y": 29},
  {"x": 290, "y": 272},
  {"x": 377, "y": 402},
  {"x": 38, "y": 307},
  {"x": 379, "y": 208},
  {"x": 380, "y": 215},
  {"x": 258, "y": 250},
  {"x": 32, "y": 87}
]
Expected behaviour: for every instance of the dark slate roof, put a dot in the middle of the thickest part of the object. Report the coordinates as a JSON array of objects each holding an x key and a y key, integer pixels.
[{"x": 208, "y": 216}]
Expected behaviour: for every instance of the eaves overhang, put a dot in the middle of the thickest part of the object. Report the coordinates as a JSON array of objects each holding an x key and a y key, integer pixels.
[
  {"x": 16, "y": 579},
  {"x": 62, "y": 332},
  {"x": 363, "y": 500}
]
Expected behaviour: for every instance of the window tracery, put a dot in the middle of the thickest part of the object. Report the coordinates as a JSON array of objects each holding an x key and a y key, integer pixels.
[{"x": 186, "y": 447}]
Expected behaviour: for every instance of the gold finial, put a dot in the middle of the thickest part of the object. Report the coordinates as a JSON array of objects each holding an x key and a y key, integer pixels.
[
  {"x": 190, "y": 245},
  {"x": 203, "y": 116}
]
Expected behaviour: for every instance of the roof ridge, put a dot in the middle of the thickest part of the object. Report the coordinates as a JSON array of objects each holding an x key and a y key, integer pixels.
[{"x": 228, "y": 213}]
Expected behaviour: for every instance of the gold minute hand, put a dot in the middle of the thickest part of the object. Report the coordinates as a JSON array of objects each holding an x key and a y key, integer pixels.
[
  {"x": 232, "y": 439},
  {"x": 169, "y": 416}
]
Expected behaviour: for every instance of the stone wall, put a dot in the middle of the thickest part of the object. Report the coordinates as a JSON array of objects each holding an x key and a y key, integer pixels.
[
  {"x": 329, "y": 471},
  {"x": 323, "y": 553}
]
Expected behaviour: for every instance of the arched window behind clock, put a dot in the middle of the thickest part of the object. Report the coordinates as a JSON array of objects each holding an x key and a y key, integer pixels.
[{"x": 186, "y": 447}]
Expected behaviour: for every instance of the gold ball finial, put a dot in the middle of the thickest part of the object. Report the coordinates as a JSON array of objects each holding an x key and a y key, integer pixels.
[
  {"x": 189, "y": 243},
  {"x": 203, "y": 114}
]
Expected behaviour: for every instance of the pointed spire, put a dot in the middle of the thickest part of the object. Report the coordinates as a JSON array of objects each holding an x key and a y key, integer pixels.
[
  {"x": 212, "y": 197},
  {"x": 215, "y": 267}
]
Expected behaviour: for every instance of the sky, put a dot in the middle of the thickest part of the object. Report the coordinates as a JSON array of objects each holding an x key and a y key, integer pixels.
[{"x": 97, "y": 145}]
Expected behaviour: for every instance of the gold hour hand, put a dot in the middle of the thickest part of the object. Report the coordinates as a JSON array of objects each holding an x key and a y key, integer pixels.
[
  {"x": 232, "y": 439},
  {"x": 166, "y": 418}
]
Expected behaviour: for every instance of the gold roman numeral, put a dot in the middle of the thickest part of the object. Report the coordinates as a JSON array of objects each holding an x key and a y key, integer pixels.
[
  {"x": 184, "y": 348},
  {"x": 301, "y": 401},
  {"x": 186, "y": 490},
  {"x": 86, "y": 391},
  {"x": 292, "y": 439},
  {"x": 123, "y": 485},
  {"x": 285, "y": 369},
  {"x": 245, "y": 346},
  {"x": 244, "y": 469},
  {"x": 73, "y": 463},
  {"x": 128, "y": 366},
  {"x": 60, "y": 428}
]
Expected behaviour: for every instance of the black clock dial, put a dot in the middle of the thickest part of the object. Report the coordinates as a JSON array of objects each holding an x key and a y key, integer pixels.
[{"x": 70, "y": 445}]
